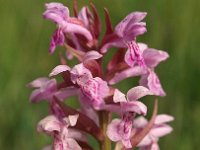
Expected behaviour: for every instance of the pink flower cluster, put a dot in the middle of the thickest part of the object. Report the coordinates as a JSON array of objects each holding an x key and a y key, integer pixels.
[{"x": 93, "y": 84}]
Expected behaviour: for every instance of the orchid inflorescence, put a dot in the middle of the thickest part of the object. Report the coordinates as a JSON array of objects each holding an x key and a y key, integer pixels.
[{"x": 93, "y": 85}]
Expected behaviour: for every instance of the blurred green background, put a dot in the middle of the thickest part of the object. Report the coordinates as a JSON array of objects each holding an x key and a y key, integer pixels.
[{"x": 173, "y": 25}]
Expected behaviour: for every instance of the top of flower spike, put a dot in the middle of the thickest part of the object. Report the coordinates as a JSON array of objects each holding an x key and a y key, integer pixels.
[{"x": 79, "y": 36}]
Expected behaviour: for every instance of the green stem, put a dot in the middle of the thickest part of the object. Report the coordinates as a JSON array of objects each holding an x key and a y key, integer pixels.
[{"x": 104, "y": 120}]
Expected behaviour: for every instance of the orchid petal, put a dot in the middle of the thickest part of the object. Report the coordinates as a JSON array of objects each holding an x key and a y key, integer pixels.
[
  {"x": 73, "y": 119},
  {"x": 56, "y": 12},
  {"x": 64, "y": 93},
  {"x": 59, "y": 69},
  {"x": 134, "y": 106},
  {"x": 49, "y": 124},
  {"x": 137, "y": 93},
  {"x": 135, "y": 30},
  {"x": 163, "y": 118},
  {"x": 140, "y": 122},
  {"x": 153, "y": 57},
  {"x": 129, "y": 20},
  {"x": 57, "y": 6},
  {"x": 113, "y": 42},
  {"x": 83, "y": 16},
  {"x": 92, "y": 55},
  {"x": 39, "y": 82},
  {"x": 119, "y": 96},
  {"x": 76, "y": 28},
  {"x": 130, "y": 72},
  {"x": 151, "y": 81},
  {"x": 46, "y": 91},
  {"x": 161, "y": 130},
  {"x": 112, "y": 130}
]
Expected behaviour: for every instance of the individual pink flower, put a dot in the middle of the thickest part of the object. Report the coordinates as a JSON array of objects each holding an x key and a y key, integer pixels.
[
  {"x": 59, "y": 131},
  {"x": 59, "y": 14},
  {"x": 121, "y": 129},
  {"x": 149, "y": 79},
  {"x": 125, "y": 37},
  {"x": 160, "y": 129},
  {"x": 94, "y": 89}
]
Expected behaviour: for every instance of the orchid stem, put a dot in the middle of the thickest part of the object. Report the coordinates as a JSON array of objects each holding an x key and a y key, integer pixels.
[{"x": 104, "y": 119}]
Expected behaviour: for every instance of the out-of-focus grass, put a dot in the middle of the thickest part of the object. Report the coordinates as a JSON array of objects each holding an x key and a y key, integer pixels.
[{"x": 24, "y": 39}]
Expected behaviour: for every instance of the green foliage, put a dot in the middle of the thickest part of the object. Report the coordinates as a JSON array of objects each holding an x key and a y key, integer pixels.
[{"x": 24, "y": 36}]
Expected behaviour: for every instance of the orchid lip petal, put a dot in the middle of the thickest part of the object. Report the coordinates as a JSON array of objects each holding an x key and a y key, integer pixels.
[{"x": 112, "y": 130}]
